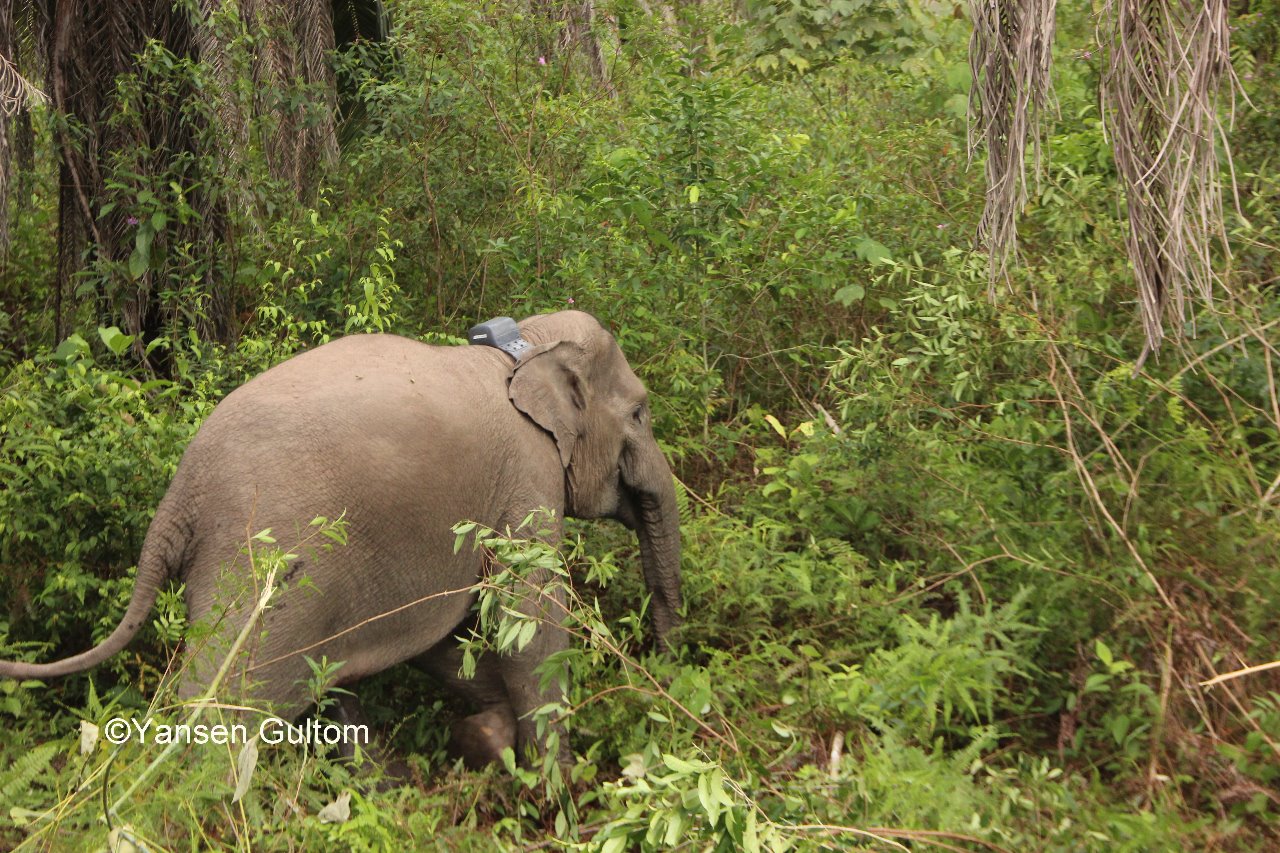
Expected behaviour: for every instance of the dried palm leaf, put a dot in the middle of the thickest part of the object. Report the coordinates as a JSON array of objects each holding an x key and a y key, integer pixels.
[
  {"x": 1011, "y": 58},
  {"x": 1168, "y": 60},
  {"x": 16, "y": 92}
]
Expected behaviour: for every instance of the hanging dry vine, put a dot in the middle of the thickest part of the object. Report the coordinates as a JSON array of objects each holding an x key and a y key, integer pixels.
[
  {"x": 20, "y": 62},
  {"x": 1160, "y": 96},
  {"x": 1168, "y": 61},
  {"x": 1011, "y": 57}
]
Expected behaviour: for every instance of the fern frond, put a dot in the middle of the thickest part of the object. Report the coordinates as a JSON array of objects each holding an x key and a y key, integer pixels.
[
  {"x": 683, "y": 505},
  {"x": 15, "y": 781}
]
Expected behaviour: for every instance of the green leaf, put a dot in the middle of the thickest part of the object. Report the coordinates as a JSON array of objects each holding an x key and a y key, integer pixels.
[
  {"x": 140, "y": 259},
  {"x": 21, "y": 816},
  {"x": 115, "y": 340},
  {"x": 1119, "y": 727},
  {"x": 871, "y": 251},
  {"x": 675, "y": 829},
  {"x": 72, "y": 348},
  {"x": 850, "y": 294},
  {"x": 526, "y": 634},
  {"x": 750, "y": 837},
  {"x": 1096, "y": 681},
  {"x": 137, "y": 264},
  {"x": 958, "y": 77},
  {"x": 1104, "y": 653},
  {"x": 624, "y": 156},
  {"x": 678, "y": 764},
  {"x": 707, "y": 796}
]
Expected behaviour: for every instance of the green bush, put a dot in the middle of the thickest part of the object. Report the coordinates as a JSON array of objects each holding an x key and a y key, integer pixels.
[{"x": 86, "y": 454}]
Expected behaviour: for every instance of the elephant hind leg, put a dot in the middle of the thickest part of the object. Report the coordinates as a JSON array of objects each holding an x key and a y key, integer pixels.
[
  {"x": 348, "y": 711},
  {"x": 480, "y": 738}
]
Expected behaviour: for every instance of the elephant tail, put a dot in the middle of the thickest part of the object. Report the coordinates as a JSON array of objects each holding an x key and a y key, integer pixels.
[{"x": 163, "y": 551}]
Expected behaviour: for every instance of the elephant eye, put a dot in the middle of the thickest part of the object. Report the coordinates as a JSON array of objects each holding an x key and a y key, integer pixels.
[{"x": 637, "y": 414}]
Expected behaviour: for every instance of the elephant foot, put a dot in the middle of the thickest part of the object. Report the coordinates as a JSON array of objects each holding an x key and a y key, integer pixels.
[
  {"x": 479, "y": 739},
  {"x": 396, "y": 773}
]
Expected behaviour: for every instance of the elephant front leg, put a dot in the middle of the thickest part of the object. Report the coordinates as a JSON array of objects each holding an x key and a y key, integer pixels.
[
  {"x": 480, "y": 738},
  {"x": 506, "y": 686},
  {"x": 348, "y": 711},
  {"x": 519, "y": 670}
]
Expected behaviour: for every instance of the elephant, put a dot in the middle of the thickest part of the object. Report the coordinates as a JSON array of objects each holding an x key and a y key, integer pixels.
[{"x": 404, "y": 439}]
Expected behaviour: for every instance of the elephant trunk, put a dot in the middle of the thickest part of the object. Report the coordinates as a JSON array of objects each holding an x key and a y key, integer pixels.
[{"x": 657, "y": 525}]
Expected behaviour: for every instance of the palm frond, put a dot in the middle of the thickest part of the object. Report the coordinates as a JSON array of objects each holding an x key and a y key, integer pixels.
[
  {"x": 16, "y": 91},
  {"x": 316, "y": 44}
]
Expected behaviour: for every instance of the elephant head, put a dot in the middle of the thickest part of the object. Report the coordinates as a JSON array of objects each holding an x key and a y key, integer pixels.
[{"x": 576, "y": 384}]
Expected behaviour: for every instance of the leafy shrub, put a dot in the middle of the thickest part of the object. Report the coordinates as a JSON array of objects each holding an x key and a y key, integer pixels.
[{"x": 86, "y": 453}]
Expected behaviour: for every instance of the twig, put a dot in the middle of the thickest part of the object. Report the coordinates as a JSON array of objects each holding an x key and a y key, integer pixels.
[{"x": 1240, "y": 673}]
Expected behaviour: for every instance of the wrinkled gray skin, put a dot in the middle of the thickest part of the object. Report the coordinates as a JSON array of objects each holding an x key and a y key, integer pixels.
[{"x": 406, "y": 439}]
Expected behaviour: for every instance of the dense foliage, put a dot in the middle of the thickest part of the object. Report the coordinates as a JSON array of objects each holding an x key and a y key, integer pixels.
[{"x": 953, "y": 571}]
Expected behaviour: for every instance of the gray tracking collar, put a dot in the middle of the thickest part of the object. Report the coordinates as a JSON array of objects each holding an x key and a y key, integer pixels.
[{"x": 502, "y": 333}]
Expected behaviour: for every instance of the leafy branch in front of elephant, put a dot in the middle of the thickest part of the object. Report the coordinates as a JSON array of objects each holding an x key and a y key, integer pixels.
[
  {"x": 521, "y": 568},
  {"x": 322, "y": 685},
  {"x": 515, "y": 571},
  {"x": 321, "y": 535},
  {"x": 268, "y": 565}
]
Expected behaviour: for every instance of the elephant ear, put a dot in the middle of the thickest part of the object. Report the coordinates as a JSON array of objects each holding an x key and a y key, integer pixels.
[{"x": 548, "y": 384}]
